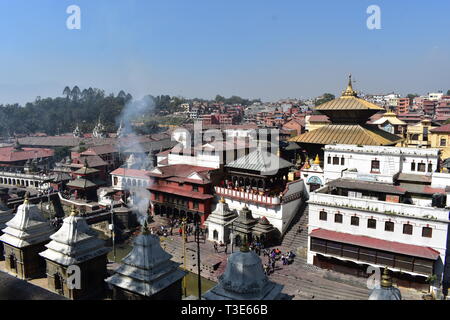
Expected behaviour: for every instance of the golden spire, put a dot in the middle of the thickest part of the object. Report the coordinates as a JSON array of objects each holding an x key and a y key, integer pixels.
[
  {"x": 386, "y": 281},
  {"x": 73, "y": 212},
  {"x": 222, "y": 200},
  {"x": 317, "y": 160},
  {"x": 27, "y": 195},
  {"x": 244, "y": 247},
  {"x": 349, "y": 92}
]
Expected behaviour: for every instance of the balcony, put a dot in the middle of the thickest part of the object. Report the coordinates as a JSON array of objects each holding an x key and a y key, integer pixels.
[
  {"x": 247, "y": 196},
  {"x": 376, "y": 206}
]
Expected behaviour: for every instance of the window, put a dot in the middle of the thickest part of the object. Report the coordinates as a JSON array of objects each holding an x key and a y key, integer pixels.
[
  {"x": 430, "y": 167},
  {"x": 195, "y": 188},
  {"x": 195, "y": 205},
  {"x": 335, "y": 160},
  {"x": 421, "y": 167},
  {"x": 323, "y": 215},
  {"x": 375, "y": 166},
  {"x": 354, "y": 221},
  {"x": 338, "y": 218},
  {"x": 427, "y": 232},
  {"x": 342, "y": 161},
  {"x": 389, "y": 226},
  {"x": 329, "y": 160},
  {"x": 443, "y": 142},
  {"x": 372, "y": 224},
  {"x": 215, "y": 235},
  {"x": 413, "y": 166},
  {"x": 407, "y": 228}
]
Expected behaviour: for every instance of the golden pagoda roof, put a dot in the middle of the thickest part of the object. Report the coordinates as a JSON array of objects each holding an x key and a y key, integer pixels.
[
  {"x": 348, "y": 134},
  {"x": 349, "y": 101},
  {"x": 391, "y": 118}
]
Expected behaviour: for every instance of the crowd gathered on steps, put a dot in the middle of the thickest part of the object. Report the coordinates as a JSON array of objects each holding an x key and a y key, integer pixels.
[{"x": 273, "y": 256}]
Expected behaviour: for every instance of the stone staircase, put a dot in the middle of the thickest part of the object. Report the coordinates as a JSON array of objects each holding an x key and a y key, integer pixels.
[{"x": 297, "y": 235}]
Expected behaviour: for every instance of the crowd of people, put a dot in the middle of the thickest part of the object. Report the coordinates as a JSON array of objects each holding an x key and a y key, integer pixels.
[{"x": 275, "y": 255}]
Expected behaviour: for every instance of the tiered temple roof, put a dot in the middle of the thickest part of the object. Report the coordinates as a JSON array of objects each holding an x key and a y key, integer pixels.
[
  {"x": 74, "y": 243},
  {"x": 28, "y": 227},
  {"x": 244, "y": 279},
  {"x": 147, "y": 269},
  {"x": 263, "y": 227},
  {"x": 348, "y": 115},
  {"x": 245, "y": 221},
  {"x": 261, "y": 161}
]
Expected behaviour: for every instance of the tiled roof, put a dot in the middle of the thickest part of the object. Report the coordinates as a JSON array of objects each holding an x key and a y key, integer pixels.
[
  {"x": 182, "y": 172},
  {"x": 379, "y": 244},
  {"x": 183, "y": 193},
  {"x": 9, "y": 154},
  {"x": 369, "y": 186},
  {"x": 348, "y": 103},
  {"x": 131, "y": 173},
  {"x": 442, "y": 129},
  {"x": 98, "y": 150},
  {"x": 348, "y": 134},
  {"x": 261, "y": 161}
]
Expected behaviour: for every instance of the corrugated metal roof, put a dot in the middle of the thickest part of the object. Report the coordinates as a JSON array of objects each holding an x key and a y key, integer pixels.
[
  {"x": 348, "y": 134},
  {"x": 348, "y": 103},
  {"x": 261, "y": 161}
]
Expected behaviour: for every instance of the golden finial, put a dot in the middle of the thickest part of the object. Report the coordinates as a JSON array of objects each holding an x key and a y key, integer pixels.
[
  {"x": 27, "y": 195},
  {"x": 222, "y": 200},
  {"x": 73, "y": 211},
  {"x": 386, "y": 281},
  {"x": 317, "y": 160},
  {"x": 244, "y": 247},
  {"x": 349, "y": 92}
]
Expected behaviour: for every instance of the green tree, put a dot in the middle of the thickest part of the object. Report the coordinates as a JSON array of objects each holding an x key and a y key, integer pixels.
[
  {"x": 325, "y": 98},
  {"x": 448, "y": 92}
]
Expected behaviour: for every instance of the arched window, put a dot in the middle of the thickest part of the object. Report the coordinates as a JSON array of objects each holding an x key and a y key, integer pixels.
[
  {"x": 215, "y": 235},
  {"x": 116, "y": 181}
]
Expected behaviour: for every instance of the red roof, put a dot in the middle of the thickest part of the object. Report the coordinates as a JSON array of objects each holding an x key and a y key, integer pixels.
[
  {"x": 445, "y": 128},
  {"x": 9, "y": 154},
  {"x": 182, "y": 171},
  {"x": 131, "y": 173},
  {"x": 99, "y": 150},
  {"x": 180, "y": 192},
  {"x": 368, "y": 242}
]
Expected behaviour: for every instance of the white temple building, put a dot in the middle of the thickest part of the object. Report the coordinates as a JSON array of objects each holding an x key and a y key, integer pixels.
[
  {"x": 24, "y": 237},
  {"x": 6, "y": 214},
  {"x": 75, "y": 243},
  {"x": 385, "y": 291},
  {"x": 244, "y": 279},
  {"x": 147, "y": 272},
  {"x": 219, "y": 221}
]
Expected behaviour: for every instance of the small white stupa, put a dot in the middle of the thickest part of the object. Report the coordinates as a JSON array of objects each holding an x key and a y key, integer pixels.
[
  {"x": 75, "y": 243},
  {"x": 147, "y": 272},
  {"x": 218, "y": 222},
  {"x": 24, "y": 237},
  {"x": 244, "y": 279},
  {"x": 27, "y": 227}
]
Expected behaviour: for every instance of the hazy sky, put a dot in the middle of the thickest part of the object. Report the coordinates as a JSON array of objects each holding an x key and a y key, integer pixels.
[{"x": 200, "y": 48}]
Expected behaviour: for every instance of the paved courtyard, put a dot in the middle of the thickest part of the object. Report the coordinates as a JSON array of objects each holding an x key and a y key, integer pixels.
[{"x": 301, "y": 281}]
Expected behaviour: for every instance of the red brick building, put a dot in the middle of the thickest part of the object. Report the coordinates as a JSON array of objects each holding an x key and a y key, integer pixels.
[
  {"x": 182, "y": 191},
  {"x": 17, "y": 156},
  {"x": 403, "y": 105}
]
